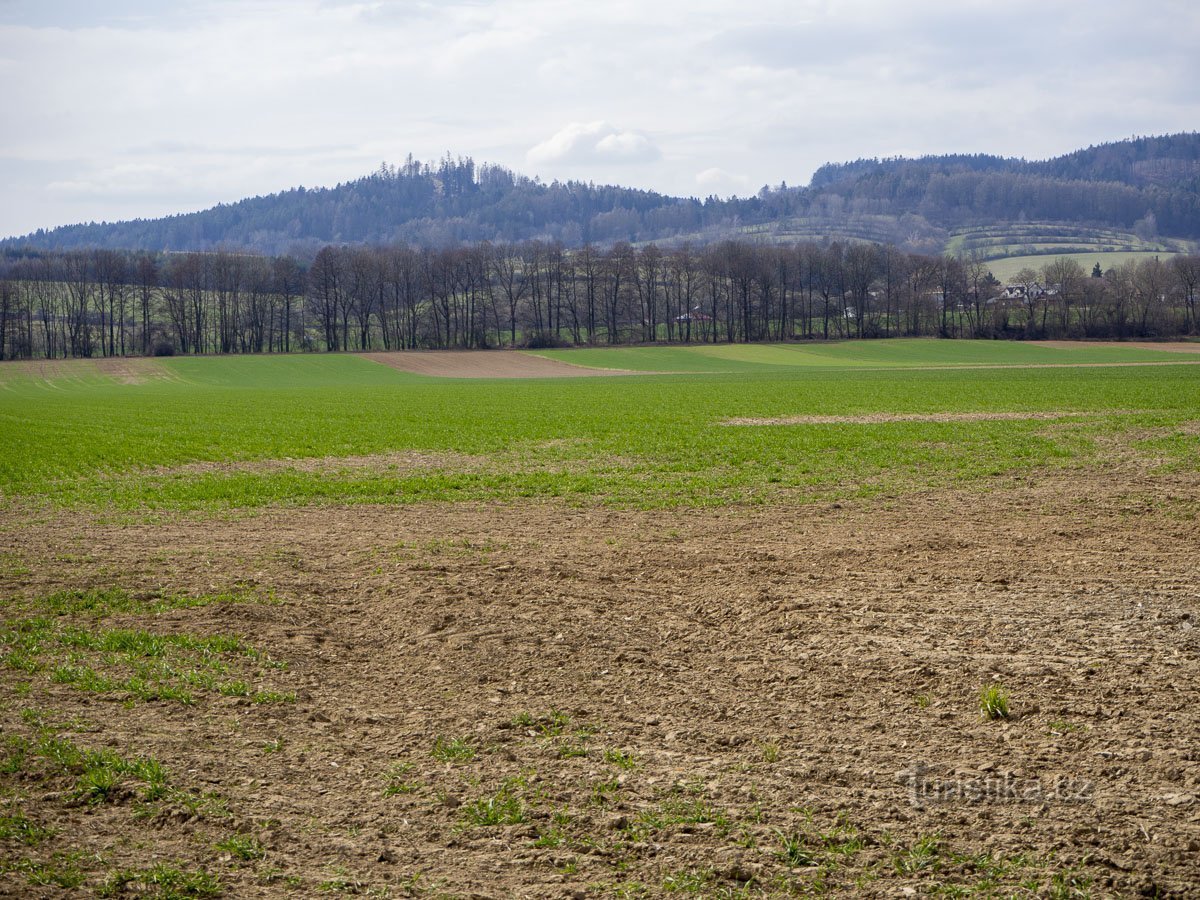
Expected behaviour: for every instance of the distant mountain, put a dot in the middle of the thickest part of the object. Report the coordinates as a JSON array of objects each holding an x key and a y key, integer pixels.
[{"x": 1151, "y": 184}]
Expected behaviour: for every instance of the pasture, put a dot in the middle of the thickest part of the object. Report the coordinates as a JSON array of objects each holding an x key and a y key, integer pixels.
[
  {"x": 1006, "y": 269},
  {"x": 848, "y": 619}
]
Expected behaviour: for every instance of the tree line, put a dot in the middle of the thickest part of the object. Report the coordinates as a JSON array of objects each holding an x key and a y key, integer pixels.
[{"x": 87, "y": 303}]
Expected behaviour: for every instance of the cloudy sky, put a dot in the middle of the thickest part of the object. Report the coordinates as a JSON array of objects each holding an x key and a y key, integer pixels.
[{"x": 127, "y": 108}]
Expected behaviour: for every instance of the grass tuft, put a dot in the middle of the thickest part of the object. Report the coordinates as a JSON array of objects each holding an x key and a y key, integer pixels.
[
  {"x": 163, "y": 882},
  {"x": 505, "y": 807},
  {"x": 61, "y": 872},
  {"x": 454, "y": 750},
  {"x": 244, "y": 847},
  {"x": 14, "y": 826},
  {"x": 922, "y": 855},
  {"x": 144, "y": 666},
  {"x": 993, "y": 702},
  {"x": 620, "y": 758},
  {"x": 396, "y": 781}
]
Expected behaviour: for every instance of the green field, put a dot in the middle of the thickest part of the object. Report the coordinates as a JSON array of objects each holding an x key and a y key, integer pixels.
[
  {"x": 1003, "y": 238},
  {"x": 639, "y": 440},
  {"x": 1006, "y": 269}
]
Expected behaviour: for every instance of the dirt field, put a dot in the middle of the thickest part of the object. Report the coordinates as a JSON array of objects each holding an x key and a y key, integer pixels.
[
  {"x": 496, "y": 364},
  {"x": 1168, "y": 346},
  {"x": 662, "y": 698},
  {"x": 485, "y": 364},
  {"x": 515, "y": 364},
  {"x": 121, "y": 369},
  {"x": 131, "y": 370},
  {"x": 881, "y": 418}
]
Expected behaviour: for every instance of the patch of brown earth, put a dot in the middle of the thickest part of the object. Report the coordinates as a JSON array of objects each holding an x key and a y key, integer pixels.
[
  {"x": 1091, "y": 365},
  {"x": 47, "y": 369},
  {"x": 765, "y": 672},
  {"x": 879, "y": 418},
  {"x": 132, "y": 370},
  {"x": 397, "y": 461},
  {"x": 1168, "y": 346},
  {"x": 125, "y": 370},
  {"x": 485, "y": 364}
]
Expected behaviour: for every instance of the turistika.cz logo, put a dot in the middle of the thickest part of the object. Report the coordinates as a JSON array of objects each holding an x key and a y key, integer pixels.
[{"x": 1006, "y": 788}]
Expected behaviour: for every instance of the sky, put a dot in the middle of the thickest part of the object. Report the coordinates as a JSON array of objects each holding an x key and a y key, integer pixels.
[{"x": 139, "y": 108}]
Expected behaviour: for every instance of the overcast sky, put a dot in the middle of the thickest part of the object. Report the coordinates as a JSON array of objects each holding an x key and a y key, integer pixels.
[{"x": 115, "y": 109}]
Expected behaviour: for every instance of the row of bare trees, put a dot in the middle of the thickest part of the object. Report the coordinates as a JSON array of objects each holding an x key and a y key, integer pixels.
[{"x": 108, "y": 303}]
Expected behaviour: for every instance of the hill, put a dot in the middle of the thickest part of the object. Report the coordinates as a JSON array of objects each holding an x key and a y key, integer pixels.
[{"x": 1127, "y": 195}]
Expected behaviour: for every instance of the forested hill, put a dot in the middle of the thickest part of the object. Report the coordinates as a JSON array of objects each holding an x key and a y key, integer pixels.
[
  {"x": 1148, "y": 183},
  {"x": 448, "y": 202},
  {"x": 1172, "y": 161},
  {"x": 1153, "y": 180}
]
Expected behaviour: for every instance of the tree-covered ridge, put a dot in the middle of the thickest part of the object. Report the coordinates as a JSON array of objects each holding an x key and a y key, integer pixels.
[
  {"x": 438, "y": 204},
  {"x": 1131, "y": 162},
  {"x": 1151, "y": 185},
  {"x": 1156, "y": 180}
]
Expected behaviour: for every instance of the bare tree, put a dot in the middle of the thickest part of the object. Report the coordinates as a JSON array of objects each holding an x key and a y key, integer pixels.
[
  {"x": 861, "y": 263},
  {"x": 1066, "y": 277},
  {"x": 508, "y": 274},
  {"x": 326, "y": 291},
  {"x": 1186, "y": 270},
  {"x": 287, "y": 282},
  {"x": 146, "y": 284}
]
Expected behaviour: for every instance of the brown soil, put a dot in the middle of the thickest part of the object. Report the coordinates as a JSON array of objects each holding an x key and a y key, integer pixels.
[
  {"x": 879, "y": 418},
  {"x": 1091, "y": 365},
  {"x": 485, "y": 364},
  {"x": 1169, "y": 346},
  {"x": 48, "y": 369},
  {"x": 764, "y": 662},
  {"x": 131, "y": 370},
  {"x": 397, "y": 461}
]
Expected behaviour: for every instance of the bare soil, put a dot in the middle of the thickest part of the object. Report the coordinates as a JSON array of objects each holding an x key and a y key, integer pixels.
[
  {"x": 880, "y": 418},
  {"x": 517, "y": 364},
  {"x": 125, "y": 370},
  {"x": 131, "y": 370},
  {"x": 392, "y": 461},
  {"x": 486, "y": 364},
  {"x": 1169, "y": 346},
  {"x": 1091, "y": 365},
  {"x": 768, "y": 671}
]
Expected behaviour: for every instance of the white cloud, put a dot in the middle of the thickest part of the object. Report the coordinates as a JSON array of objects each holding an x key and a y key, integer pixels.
[
  {"x": 122, "y": 180},
  {"x": 139, "y": 108},
  {"x": 718, "y": 181},
  {"x": 593, "y": 143}
]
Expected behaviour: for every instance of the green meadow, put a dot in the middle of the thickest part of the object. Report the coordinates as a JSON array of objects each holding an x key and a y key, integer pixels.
[
  {"x": 1006, "y": 269},
  {"x": 213, "y": 434}
]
